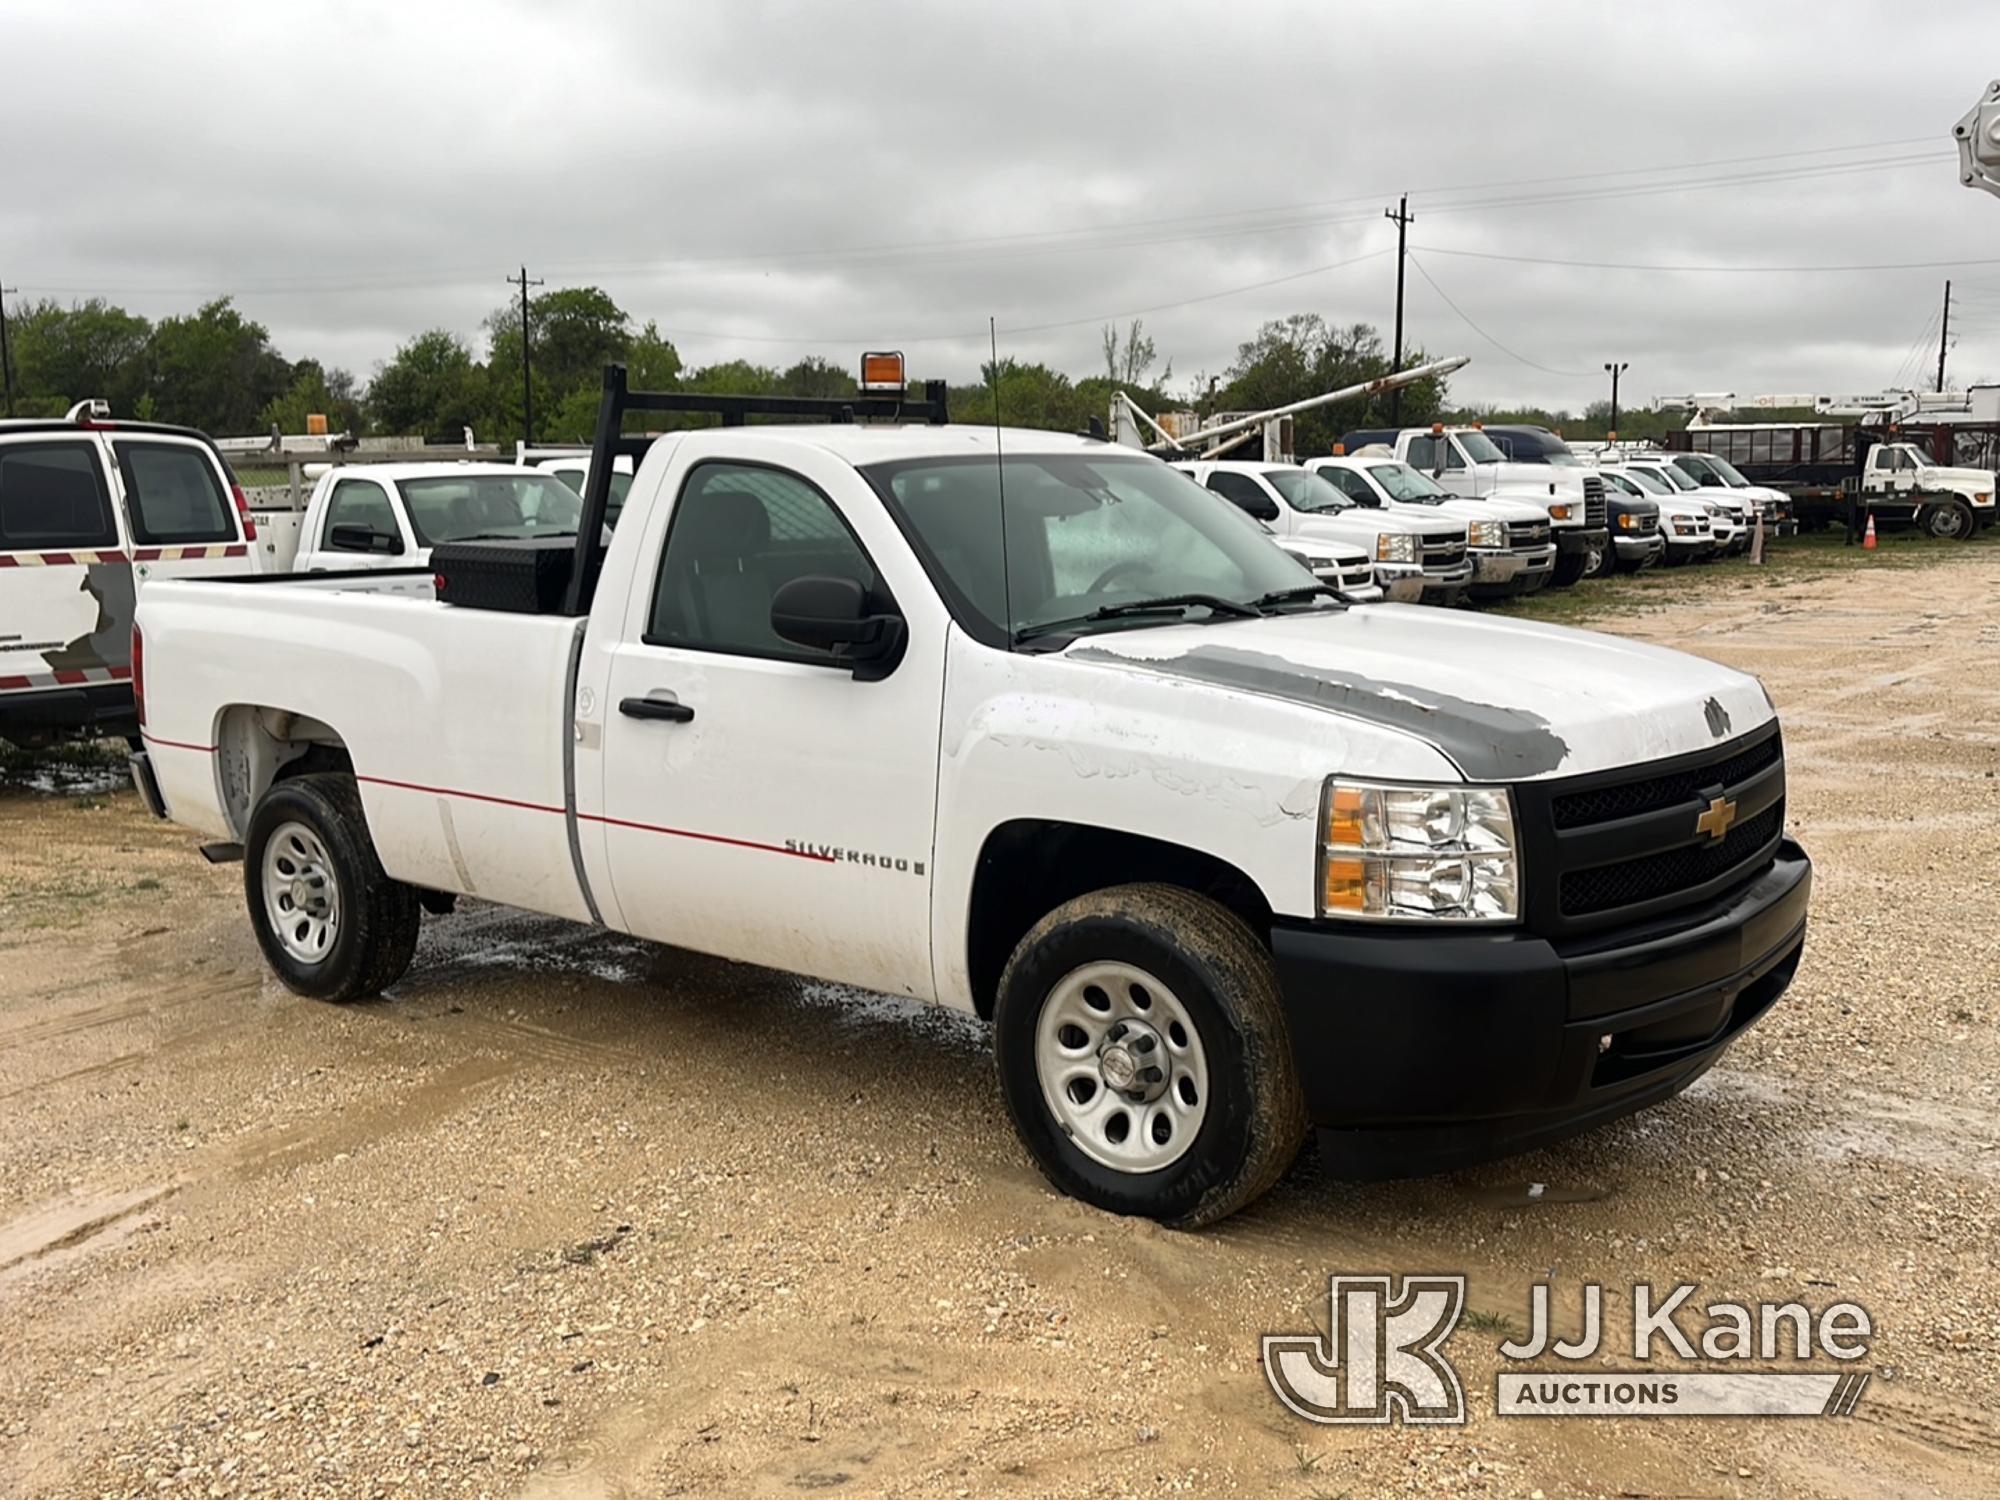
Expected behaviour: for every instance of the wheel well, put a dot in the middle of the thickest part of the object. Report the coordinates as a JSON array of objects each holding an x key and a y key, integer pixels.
[
  {"x": 257, "y": 746},
  {"x": 1031, "y": 866}
]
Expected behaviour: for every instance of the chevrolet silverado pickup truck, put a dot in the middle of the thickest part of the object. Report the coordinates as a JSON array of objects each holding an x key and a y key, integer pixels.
[
  {"x": 1507, "y": 541},
  {"x": 1026, "y": 725},
  {"x": 1467, "y": 462},
  {"x": 1418, "y": 559}
]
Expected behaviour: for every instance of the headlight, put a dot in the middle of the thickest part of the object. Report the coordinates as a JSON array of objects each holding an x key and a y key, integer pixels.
[
  {"x": 1559, "y": 512},
  {"x": 1686, "y": 525},
  {"x": 1396, "y": 546},
  {"x": 1486, "y": 534},
  {"x": 1318, "y": 564},
  {"x": 1418, "y": 853},
  {"x": 1983, "y": 497}
]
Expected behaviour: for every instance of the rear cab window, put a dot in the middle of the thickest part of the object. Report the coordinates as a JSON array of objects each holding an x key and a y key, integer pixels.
[
  {"x": 175, "y": 494},
  {"x": 54, "y": 498}
]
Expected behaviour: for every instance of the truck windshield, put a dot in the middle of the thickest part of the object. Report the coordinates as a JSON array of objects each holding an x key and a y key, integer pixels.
[
  {"x": 1479, "y": 448},
  {"x": 1401, "y": 482},
  {"x": 1646, "y": 479},
  {"x": 1672, "y": 476},
  {"x": 1084, "y": 532},
  {"x": 453, "y": 507},
  {"x": 1306, "y": 491},
  {"x": 1731, "y": 475}
]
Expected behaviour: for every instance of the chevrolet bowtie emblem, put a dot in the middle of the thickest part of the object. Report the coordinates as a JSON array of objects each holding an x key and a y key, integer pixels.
[{"x": 1716, "y": 818}]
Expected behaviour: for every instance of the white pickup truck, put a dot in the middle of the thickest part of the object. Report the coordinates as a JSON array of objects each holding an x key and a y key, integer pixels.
[
  {"x": 1051, "y": 738},
  {"x": 1467, "y": 462},
  {"x": 389, "y": 515}
]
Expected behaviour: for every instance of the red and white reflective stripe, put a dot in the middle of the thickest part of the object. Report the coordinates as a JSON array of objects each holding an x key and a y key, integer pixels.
[
  {"x": 60, "y": 559},
  {"x": 189, "y": 554},
  {"x": 65, "y": 677}
]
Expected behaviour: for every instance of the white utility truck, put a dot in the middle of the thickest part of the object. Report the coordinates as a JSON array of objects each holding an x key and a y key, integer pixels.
[
  {"x": 1506, "y": 541},
  {"x": 1419, "y": 559},
  {"x": 1026, "y": 725},
  {"x": 92, "y": 511},
  {"x": 1687, "y": 525}
]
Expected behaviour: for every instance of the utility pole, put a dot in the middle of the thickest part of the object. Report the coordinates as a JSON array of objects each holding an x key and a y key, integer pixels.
[
  {"x": 1944, "y": 332},
  {"x": 1616, "y": 370},
  {"x": 527, "y": 379},
  {"x": 1403, "y": 218},
  {"x": 6, "y": 359}
]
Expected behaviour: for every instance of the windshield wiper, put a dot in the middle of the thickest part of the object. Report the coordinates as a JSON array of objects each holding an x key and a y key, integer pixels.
[
  {"x": 1218, "y": 606},
  {"x": 1294, "y": 595}
]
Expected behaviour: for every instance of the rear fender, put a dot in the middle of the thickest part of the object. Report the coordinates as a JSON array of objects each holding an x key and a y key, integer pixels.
[{"x": 256, "y": 745}]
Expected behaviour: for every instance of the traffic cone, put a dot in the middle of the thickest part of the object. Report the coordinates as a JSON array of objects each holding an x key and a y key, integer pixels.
[{"x": 1868, "y": 541}]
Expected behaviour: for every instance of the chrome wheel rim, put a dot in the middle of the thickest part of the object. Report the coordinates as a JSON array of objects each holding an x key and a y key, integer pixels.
[
  {"x": 1121, "y": 1067},
  {"x": 301, "y": 897}
]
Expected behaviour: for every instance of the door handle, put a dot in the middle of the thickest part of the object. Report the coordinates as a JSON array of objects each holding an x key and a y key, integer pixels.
[{"x": 655, "y": 708}]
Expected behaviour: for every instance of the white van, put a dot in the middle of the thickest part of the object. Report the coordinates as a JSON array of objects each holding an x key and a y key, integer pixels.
[{"x": 91, "y": 510}]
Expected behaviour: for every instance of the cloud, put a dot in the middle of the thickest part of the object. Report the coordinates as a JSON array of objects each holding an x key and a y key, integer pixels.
[{"x": 768, "y": 181}]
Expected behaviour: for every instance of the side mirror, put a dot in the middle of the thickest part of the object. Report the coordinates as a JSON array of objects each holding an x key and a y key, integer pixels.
[
  {"x": 1263, "y": 507},
  {"x": 357, "y": 538},
  {"x": 832, "y": 615}
]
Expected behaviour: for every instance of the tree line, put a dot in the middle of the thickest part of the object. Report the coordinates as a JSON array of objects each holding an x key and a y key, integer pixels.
[{"x": 217, "y": 370}]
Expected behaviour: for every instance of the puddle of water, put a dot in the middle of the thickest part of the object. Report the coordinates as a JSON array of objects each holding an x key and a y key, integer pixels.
[{"x": 72, "y": 769}]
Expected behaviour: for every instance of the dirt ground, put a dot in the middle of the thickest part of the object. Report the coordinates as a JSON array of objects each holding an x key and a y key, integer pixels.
[{"x": 567, "y": 1215}]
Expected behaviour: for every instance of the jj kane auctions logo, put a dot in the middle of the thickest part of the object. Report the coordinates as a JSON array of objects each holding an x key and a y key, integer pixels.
[{"x": 1381, "y": 1357}]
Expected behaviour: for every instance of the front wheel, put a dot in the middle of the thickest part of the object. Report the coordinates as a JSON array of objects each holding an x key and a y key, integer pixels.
[
  {"x": 1569, "y": 567},
  {"x": 1144, "y": 1055},
  {"x": 332, "y": 925},
  {"x": 1949, "y": 521}
]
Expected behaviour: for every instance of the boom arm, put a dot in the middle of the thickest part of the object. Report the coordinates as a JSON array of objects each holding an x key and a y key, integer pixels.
[{"x": 1124, "y": 408}]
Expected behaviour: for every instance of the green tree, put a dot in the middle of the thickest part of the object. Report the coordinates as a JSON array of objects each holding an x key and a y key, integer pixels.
[
  {"x": 576, "y": 332},
  {"x": 815, "y": 375},
  {"x": 62, "y": 354},
  {"x": 1300, "y": 356},
  {"x": 432, "y": 388},
  {"x": 313, "y": 389},
  {"x": 215, "y": 370}
]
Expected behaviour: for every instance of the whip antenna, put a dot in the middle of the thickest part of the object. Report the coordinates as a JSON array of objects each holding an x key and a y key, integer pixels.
[{"x": 1000, "y": 480}]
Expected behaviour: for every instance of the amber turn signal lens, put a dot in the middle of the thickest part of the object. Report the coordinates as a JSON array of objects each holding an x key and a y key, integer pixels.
[
  {"x": 1345, "y": 883},
  {"x": 1343, "y": 817}
]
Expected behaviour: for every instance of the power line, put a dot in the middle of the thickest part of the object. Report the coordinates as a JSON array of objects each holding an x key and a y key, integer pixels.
[
  {"x": 1463, "y": 317},
  {"x": 1618, "y": 265}
]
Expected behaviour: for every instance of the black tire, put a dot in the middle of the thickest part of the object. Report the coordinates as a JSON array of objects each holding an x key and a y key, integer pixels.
[
  {"x": 1569, "y": 567},
  {"x": 1949, "y": 521},
  {"x": 1222, "y": 976},
  {"x": 1607, "y": 563},
  {"x": 376, "y": 934}
]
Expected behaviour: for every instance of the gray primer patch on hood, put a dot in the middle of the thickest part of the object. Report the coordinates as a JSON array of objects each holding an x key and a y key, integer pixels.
[{"x": 1486, "y": 741}]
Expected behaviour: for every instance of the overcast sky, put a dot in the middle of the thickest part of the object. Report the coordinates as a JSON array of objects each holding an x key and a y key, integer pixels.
[{"x": 770, "y": 181}]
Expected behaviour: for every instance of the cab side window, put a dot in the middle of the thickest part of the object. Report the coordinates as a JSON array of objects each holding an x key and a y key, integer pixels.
[
  {"x": 1423, "y": 453},
  {"x": 1353, "y": 486},
  {"x": 53, "y": 498},
  {"x": 175, "y": 494},
  {"x": 739, "y": 533},
  {"x": 364, "y": 504},
  {"x": 1244, "y": 493}
]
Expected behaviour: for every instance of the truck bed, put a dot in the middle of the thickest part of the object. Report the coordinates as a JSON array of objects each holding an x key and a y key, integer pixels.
[{"x": 456, "y": 721}]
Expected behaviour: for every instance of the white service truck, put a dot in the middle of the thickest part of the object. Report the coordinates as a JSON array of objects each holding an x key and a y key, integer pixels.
[
  {"x": 92, "y": 512},
  {"x": 387, "y": 515},
  {"x": 1941, "y": 500},
  {"x": 1026, "y": 725}
]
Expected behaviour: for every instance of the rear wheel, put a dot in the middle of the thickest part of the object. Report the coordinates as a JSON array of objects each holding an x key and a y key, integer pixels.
[
  {"x": 332, "y": 925},
  {"x": 1144, "y": 1055}
]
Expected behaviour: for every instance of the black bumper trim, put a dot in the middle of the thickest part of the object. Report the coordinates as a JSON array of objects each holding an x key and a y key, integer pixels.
[
  {"x": 1581, "y": 538},
  {"x": 148, "y": 784},
  {"x": 104, "y": 707},
  {"x": 1423, "y": 1051}
]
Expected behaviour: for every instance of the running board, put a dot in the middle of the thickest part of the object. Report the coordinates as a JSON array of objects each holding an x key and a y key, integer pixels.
[{"x": 222, "y": 854}]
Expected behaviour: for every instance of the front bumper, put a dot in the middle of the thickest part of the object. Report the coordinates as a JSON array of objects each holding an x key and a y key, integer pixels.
[
  {"x": 1407, "y": 583},
  {"x": 1501, "y": 572},
  {"x": 1420, "y": 1051},
  {"x": 1638, "y": 551},
  {"x": 1570, "y": 540}
]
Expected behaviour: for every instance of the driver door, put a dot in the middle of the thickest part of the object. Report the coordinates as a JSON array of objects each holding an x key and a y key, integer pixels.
[{"x": 758, "y": 801}]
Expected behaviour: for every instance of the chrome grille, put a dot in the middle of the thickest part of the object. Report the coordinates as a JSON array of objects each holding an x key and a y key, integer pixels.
[
  {"x": 1593, "y": 500},
  {"x": 1527, "y": 533},
  {"x": 1443, "y": 552}
]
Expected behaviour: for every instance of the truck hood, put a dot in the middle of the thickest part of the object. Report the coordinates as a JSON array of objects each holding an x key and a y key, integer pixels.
[
  {"x": 1508, "y": 700},
  {"x": 1978, "y": 479},
  {"x": 1360, "y": 526},
  {"x": 1539, "y": 479}
]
